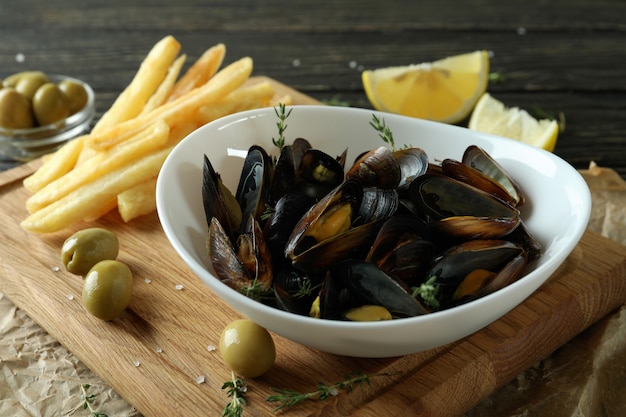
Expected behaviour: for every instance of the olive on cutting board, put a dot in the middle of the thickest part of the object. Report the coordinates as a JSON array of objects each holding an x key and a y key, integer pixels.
[
  {"x": 247, "y": 348},
  {"x": 85, "y": 248},
  {"x": 107, "y": 289}
]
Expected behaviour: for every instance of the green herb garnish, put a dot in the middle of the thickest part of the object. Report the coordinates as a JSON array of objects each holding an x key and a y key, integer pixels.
[
  {"x": 88, "y": 401},
  {"x": 428, "y": 291},
  {"x": 288, "y": 398},
  {"x": 236, "y": 390},
  {"x": 282, "y": 126},
  {"x": 383, "y": 131}
]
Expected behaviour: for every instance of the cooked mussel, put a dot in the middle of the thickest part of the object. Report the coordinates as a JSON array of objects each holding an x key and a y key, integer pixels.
[
  {"x": 355, "y": 283},
  {"x": 476, "y": 157},
  {"x": 377, "y": 168},
  {"x": 466, "y": 268},
  {"x": 460, "y": 210}
]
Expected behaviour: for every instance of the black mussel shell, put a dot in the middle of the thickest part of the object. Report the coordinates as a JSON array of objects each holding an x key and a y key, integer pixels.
[
  {"x": 461, "y": 210},
  {"x": 253, "y": 191},
  {"x": 353, "y": 283},
  {"x": 376, "y": 168}
]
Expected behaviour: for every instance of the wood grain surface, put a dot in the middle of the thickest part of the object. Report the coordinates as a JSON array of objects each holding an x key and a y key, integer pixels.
[
  {"x": 559, "y": 58},
  {"x": 155, "y": 352}
]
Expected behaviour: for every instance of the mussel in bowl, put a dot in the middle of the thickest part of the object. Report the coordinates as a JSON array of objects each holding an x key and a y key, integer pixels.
[{"x": 396, "y": 236}]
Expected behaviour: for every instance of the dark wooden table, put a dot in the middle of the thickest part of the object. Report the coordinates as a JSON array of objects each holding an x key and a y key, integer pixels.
[{"x": 562, "y": 58}]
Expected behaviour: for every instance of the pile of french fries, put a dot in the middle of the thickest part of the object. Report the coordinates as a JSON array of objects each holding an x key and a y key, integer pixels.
[{"x": 117, "y": 163}]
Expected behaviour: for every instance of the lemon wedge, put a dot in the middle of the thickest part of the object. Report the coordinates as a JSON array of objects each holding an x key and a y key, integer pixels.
[
  {"x": 492, "y": 116},
  {"x": 445, "y": 90}
]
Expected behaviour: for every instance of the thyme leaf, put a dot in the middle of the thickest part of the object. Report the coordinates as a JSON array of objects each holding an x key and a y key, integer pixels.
[
  {"x": 383, "y": 131},
  {"x": 88, "y": 401},
  {"x": 428, "y": 291},
  {"x": 282, "y": 126},
  {"x": 288, "y": 397},
  {"x": 236, "y": 389}
]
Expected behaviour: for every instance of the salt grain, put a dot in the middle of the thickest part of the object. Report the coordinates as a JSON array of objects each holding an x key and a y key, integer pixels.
[
  {"x": 333, "y": 391},
  {"x": 179, "y": 287},
  {"x": 200, "y": 379},
  {"x": 211, "y": 348},
  {"x": 55, "y": 269},
  {"x": 147, "y": 280},
  {"x": 136, "y": 363},
  {"x": 70, "y": 297},
  {"x": 159, "y": 350}
]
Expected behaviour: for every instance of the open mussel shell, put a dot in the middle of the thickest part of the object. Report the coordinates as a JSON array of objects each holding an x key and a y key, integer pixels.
[
  {"x": 413, "y": 162},
  {"x": 355, "y": 283},
  {"x": 287, "y": 212},
  {"x": 253, "y": 190},
  {"x": 472, "y": 176},
  {"x": 473, "y": 259},
  {"x": 403, "y": 249},
  {"x": 318, "y": 173},
  {"x": 331, "y": 215},
  {"x": 480, "y": 160},
  {"x": 219, "y": 202},
  {"x": 245, "y": 264},
  {"x": 460, "y": 210},
  {"x": 376, "y": 168},
  {"x": 295, "y": 290}
]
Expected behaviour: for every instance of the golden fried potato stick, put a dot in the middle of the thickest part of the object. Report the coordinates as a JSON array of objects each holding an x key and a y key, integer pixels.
[
  {"x": 57, "y": 165},
  {"x": 149, "y": 76},
  {"x": 200, "y": 72},
  {"x": 87, "y": 199},
  {"x": 137, "y": 201},
  {"x": 101, "y": 211},
  {"x": 162, "y": 93},
  {"x": 243, "y": 98},
  {"x": 181, "y": 109},
  {"x": 154, "y": 137}
]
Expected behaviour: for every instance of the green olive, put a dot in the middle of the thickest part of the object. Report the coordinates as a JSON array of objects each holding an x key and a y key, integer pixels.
[
  {"x": 107, "y": 289},
  {"x": 76, "y": 95},
  {"x": 15, "y": 110},
  {"x": 50, "y": 104},
  {"x": 13, "y": 79},
  {"x": 28, "y": 84},
  {"x": 85, "y": 248},
  {"x": 247, "y": 348}
]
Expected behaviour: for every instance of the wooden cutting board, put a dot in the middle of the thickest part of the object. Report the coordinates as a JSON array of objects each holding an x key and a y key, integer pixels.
[{"x": 155, "y": 352}]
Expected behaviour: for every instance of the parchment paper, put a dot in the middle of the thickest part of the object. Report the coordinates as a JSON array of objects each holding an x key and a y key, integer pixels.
[{"x": 585, "y": 378}]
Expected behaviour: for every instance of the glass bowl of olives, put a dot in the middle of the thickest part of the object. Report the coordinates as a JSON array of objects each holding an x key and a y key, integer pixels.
[{"x": 39, "y": 112}]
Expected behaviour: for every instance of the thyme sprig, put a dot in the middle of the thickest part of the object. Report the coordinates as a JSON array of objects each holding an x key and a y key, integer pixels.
[
  {"x": 282, "y": 126},
  {"x": 236, "y": 390},
  {"x": 88, "y": 400},
  {"x": 383, "y": 131},
  {"x": 288, "y": 397},
  {"x": 428, "y": 291}
]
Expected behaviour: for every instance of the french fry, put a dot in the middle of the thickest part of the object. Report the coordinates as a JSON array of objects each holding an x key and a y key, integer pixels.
[
  {"x": 57, "y": 165},
  {"x": 200, "y": 72},
  {"x": 101, "y": 211},
  {"x": 87, "y": 199},
  {"x": 151, "y": 73},
  {"x": 243, "y": 98},
  {"x": 137, "y": 201},
  {"x": 100, "y": 164},
  {"x": 162, "y": 93},
  {"x": 174, "y": 112}
]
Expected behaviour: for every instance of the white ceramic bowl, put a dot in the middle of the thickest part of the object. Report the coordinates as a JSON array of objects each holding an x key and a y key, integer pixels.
[{"x": 557, "y": 213}]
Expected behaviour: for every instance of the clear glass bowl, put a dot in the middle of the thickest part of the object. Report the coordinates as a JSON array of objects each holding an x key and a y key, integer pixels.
[{"x": 22, "y": 145}]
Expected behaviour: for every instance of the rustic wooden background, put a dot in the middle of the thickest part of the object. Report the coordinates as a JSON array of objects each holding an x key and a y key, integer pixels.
[{"x": 562, "y": 58}]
